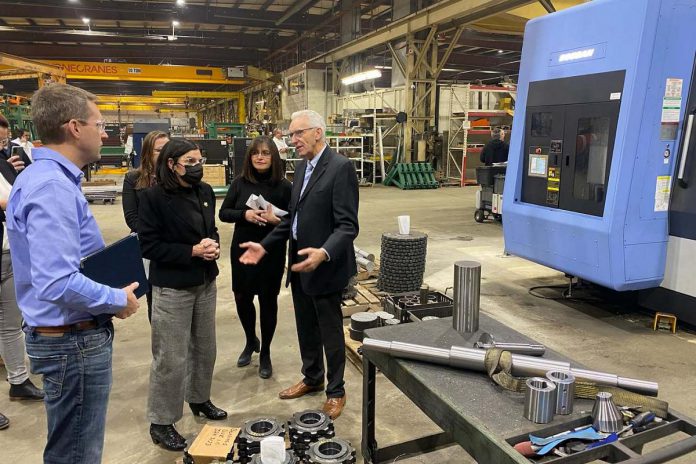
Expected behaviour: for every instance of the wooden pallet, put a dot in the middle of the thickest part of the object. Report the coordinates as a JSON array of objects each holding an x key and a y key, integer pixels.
[
  {"x": 352, "y": 354},
  {"x": 365, "y": 300}
]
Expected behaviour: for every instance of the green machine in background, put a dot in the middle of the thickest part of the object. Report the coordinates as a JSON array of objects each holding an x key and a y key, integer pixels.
[
  {"x": 218, "y": 129},
  {"x": 18, "y": 113}
]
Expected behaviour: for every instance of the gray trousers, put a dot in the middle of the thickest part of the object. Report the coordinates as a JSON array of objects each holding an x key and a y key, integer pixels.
[
  {"x": 183, "y": 350},
  {"x": 11, "y": 335}
]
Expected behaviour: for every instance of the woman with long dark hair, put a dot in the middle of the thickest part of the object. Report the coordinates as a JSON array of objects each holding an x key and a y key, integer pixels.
[
  {"x": 138, "y": 180},
  {"x": 176, "y": 225},
  {"x": 262, "y": 174}
]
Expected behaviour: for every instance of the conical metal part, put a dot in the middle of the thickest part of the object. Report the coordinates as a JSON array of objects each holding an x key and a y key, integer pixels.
[{"x": 606, "y": 417}]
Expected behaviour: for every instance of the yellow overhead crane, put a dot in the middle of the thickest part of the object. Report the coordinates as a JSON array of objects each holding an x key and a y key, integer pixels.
[
  {"x": 145, "y": 72},
  {"x": 16, "y": 67},
  {"x": 168, "y": 101}
]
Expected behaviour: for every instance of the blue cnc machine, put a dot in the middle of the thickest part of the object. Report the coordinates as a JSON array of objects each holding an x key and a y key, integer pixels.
[{"x": 603, "y": 140}]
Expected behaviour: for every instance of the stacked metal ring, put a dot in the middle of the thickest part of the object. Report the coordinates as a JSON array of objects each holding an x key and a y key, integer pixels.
[
  {"x": 290, "y": 458},
  {"x": 334, "y": 451},
  {"x": 253, "y": 431},
  {"x": 308, "y": 427}
]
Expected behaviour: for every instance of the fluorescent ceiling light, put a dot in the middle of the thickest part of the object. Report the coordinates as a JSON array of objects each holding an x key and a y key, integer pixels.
[
  {"x": 361, "y": 76},
  {"x": 180, "y": 3}
]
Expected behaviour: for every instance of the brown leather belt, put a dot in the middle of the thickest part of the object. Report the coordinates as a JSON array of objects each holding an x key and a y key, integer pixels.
[{"x": 62, "y": 329}]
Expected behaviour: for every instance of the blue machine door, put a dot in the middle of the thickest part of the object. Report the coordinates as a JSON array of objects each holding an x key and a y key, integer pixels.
[{"x": 588, "y": 144}]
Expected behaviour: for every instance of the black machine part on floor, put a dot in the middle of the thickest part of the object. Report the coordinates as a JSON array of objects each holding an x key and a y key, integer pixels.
[
  {"x": 252, "y": 432},
  {"x": 308, "y": 427},
  {"x": 290, "y": 458},
  {"x": 332, "y": 451}
]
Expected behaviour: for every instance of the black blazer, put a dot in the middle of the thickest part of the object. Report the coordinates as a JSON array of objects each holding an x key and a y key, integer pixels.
[
  {"x": 130, "y": 199},
  {"x": 167, "y": 237},
  {"x": 328, "y": 218}
]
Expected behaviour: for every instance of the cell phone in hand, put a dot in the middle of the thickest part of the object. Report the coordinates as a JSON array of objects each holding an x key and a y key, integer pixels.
[{"x": 16, "y": 150}]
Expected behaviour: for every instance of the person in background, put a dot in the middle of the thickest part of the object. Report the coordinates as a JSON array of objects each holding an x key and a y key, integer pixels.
[
  {"x": 262, "y": 174},
  {"x": 176, "y": 226},
  {"x": 496, "y": 150},
  {"x": 138, "y": 180},
  {"x": 69, "y": 333},
  {"x": 19, "y": 160},
  {"x": 23, "y": 141},
  {"x": 280, "y": 143},
  {"x": 321, "y": 224}
]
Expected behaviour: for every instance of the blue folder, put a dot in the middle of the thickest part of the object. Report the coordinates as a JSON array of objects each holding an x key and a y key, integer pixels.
[{"x": 117, "y": 265}]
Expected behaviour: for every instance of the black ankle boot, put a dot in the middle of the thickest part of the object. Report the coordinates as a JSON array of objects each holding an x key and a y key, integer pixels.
[
  {"x": 265, "y": 366},
  {"x": 208, "y": 409},
  {"x": 26, "y": 391},
  {"x": 167, "y": 437},
  {"x": 245, "y": 357}
]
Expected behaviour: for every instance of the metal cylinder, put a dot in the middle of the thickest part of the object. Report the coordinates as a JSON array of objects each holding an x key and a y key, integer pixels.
[
  {"x": 467, "y": 296},
  {"x": 565, "y": 390},
  {"x": 424, "y": 292},
  {"x": 365, "y": 263},
  {"x": 363, "y": 253},
  {"x": 539, "y": 400}
]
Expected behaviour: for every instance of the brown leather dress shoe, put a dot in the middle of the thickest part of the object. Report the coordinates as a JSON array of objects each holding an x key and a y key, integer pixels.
[
  {"x": 334, "y": 406},
  {"x": 299, "y": 389}
]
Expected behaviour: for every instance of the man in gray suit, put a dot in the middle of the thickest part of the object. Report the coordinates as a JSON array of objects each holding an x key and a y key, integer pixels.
[{"x": 321, "y": 225}]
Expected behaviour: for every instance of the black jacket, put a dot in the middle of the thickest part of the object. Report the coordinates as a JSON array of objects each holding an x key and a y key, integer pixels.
[
  {"x": 495, "y": 151},
  {"x": 167, "y": 237},
  {"x": 131, "y": 199},
  {"x": 328, "y": 218}
]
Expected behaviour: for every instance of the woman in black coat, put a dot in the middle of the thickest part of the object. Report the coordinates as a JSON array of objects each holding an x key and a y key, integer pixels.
[
  {"x": 176, "y": 226},
  {"x": 262, "y": 174},
  {"x": 138, "y": 180}
]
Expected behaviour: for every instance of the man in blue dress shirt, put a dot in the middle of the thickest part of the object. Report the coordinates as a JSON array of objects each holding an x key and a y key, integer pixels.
[{"x": 50, "y": 227}]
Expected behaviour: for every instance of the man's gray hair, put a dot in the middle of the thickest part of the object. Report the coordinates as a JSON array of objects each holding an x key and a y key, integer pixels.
[
  {"x": 314, "y": 119},
  {"x": 496, "y": 133},
  {"x": 55, "y": 104}
]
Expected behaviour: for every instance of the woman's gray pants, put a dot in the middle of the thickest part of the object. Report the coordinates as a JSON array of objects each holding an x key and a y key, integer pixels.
[{"x": 183, "y": 350}]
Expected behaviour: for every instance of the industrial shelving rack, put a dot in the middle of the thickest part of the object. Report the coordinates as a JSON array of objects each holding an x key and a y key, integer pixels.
[{"x": 467, "y": 105}]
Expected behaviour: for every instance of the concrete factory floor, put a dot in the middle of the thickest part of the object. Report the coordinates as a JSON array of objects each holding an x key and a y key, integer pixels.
[{"x": 618, "y": 339}]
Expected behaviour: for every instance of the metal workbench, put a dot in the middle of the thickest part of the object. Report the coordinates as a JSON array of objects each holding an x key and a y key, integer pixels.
[{"x": 475, "y": 413}]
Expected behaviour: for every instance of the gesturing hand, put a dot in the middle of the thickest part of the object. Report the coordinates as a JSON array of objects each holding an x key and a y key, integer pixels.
[
  {"x": 253, "y": 254},
  {"x": 315, "y": 256}
]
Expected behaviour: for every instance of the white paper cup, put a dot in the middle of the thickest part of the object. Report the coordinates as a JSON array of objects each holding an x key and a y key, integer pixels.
[
  {"x": 404, "y": 224},
  {"x": 273, "y": 450}
]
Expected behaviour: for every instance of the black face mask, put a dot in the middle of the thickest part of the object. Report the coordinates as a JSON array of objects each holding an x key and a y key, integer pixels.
[{"x": 193, "y": 174}]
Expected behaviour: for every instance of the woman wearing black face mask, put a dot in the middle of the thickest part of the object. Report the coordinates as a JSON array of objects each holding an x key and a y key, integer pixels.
[{"x": 178, "y": 234}]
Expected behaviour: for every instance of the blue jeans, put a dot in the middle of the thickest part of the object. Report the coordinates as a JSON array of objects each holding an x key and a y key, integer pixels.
[{"x": 76, "y": 371}]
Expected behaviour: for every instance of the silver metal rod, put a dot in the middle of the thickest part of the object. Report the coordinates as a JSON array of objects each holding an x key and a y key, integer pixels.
[
  {"x": 522, "y": 366},
  {"x": 527, "y": 349},
  {"x": 365, "y": 263},
  {"x": 467, "y": 296},
  {"x": 363, "y": 253}
]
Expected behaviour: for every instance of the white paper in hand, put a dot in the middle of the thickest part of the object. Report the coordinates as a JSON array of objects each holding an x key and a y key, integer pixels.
[{"x": 259, "y": 202}]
